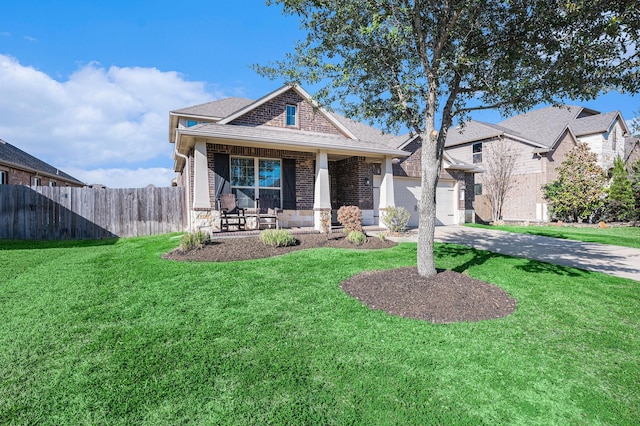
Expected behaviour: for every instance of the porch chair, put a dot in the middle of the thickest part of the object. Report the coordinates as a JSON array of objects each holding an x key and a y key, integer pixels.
[
  {"x": 230, "y": 213},
  {"x": 267, "y": 212}
]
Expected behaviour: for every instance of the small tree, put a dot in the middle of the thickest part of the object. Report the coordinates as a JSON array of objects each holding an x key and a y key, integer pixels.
[
  {"x": 620, "y": 201},
  {"x": 497, "y": 179},
  {"x": 578, "y": 193}
]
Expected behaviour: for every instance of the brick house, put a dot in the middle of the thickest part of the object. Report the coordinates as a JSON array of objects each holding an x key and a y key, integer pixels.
[
  {"x": 542, "y": 139},
  {"x": 309, "y": 159},
  {"x": 19, "y": 168}
]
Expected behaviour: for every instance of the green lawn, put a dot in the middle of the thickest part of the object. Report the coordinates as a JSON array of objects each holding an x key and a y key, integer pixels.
[
  {"x": 108, "y": 333},
  {"x": 618, "y": 236}
]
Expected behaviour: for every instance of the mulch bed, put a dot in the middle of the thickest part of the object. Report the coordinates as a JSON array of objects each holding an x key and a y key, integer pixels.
[{"x": 446, "y": 298}]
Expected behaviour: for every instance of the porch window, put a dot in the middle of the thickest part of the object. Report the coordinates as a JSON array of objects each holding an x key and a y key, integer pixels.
[
  {"x": 36, "y": 181},
  {"x": 252, "y": 178},
  {"x": 477, "y": 152},
  {"x": 4, "y": 177},
  {"x": 291, "y": 115},
  {"x": 477, "y": 189}
]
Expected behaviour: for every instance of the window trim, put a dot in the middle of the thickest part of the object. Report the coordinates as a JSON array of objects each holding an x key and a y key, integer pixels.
[
  {"x": 287, "y": 115},
  {"x": 36, "y": 181},
  {"x": 476, "y": 155},
  {"x": 4, "y": 177}
]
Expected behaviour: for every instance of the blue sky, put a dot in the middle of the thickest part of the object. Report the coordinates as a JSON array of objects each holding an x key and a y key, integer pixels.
[{"x": 88, "y": 85}]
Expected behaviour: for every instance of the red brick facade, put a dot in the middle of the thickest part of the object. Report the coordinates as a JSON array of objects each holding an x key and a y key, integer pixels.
[
  {"x": 348, "y": 186},
  {"x": 273, "y": 113}
]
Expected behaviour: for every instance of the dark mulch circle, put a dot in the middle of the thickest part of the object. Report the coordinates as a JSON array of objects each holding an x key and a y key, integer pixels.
[{"x": 448, "y": 297}]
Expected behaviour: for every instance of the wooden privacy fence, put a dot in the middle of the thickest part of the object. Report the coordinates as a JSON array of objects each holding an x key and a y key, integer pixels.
[{"x": 64, "y": 213}]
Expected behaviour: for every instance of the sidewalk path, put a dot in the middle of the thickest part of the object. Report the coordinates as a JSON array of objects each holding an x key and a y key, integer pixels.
[{"x": 613, "y": 260}]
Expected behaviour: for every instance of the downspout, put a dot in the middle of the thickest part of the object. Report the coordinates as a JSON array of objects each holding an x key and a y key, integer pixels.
[{"x": 188, "y": 182}]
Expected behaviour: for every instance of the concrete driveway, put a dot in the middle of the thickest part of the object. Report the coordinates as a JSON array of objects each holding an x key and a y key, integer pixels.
[{"x": 613, "y": 260}]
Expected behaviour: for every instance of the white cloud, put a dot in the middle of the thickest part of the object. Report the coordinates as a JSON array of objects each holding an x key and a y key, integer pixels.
[
  {"x": 99, "y": 122},
  {"x": 125, "y": 178}
]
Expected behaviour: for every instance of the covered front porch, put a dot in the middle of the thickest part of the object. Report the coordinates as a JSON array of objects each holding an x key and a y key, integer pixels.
[{"x": 303, "y": 185}]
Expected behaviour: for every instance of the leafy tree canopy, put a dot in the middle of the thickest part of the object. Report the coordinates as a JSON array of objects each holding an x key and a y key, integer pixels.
[{"x": 388, "y": 61}]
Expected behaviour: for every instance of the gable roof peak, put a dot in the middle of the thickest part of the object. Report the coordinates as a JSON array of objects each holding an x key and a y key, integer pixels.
[{"x": 303, "y": 94}]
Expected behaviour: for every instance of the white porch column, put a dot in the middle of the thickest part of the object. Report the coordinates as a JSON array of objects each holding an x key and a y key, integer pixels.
[
  {"x": 201, "y": 199},
  {"x": 387, "y": 198},
  {"x": 322, "y": 193}
]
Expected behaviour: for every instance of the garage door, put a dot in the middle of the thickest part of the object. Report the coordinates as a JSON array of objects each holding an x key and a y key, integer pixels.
[
  {"x": 445, "y": 204},
  {"x": 407, "y": 194}
]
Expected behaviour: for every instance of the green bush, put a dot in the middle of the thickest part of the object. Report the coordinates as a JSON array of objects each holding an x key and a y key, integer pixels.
[
  {"x": 277, "y": 238},
  {"x": 196, "y": 240},
  {"x": 357, "y": 237},
  {"x": 395, "y": 218}
]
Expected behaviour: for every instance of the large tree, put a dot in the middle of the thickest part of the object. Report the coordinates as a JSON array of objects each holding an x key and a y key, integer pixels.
[{"x": 420, "y": 63}]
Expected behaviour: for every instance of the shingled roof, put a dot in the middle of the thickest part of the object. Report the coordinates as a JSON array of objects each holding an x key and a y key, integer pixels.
[
  {"x": 215, "y": 109},
  {"x": 542, "y": 127},
  {"x": 15, "y": 157}
]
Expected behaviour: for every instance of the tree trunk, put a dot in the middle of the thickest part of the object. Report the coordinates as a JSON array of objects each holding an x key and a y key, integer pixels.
[{"x": 427, "y": 206}]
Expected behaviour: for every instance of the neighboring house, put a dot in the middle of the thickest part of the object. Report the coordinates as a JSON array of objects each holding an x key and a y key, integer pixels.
[
  {"x": 542, "y": 140},
  {"x": 19, "y": 168},
  {"x": 631, "y": 151},
  {"x": 284, "y": 145}
]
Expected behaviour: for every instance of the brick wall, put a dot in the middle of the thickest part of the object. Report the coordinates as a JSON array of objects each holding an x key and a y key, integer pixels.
[
  {"x": 273, "y": 113},
  {"x": 557, "y": 156},
  {"x": 348, "y": 186},
  {"x": 410, "y": 166}
]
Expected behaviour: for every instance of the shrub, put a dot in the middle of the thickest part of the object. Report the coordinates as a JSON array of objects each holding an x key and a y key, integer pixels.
[
  {"x": 351, "y": 218},
  {"x": 395, "y": 218},
  {"x": 357, "y": 237},
  {"x": 277, "y": 238},
  {"x": 192, "y": 241}
]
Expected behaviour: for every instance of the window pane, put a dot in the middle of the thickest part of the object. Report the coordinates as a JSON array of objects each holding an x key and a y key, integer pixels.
[
  {"x": 269, "y": 172},
  {"x": 272, "y": 192},
  {"x": 245, "y": 197},
  {"x": 242, "y": 172},
  {"x": 477, "y": 147},
  {"x": 291, "y": 115}
]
